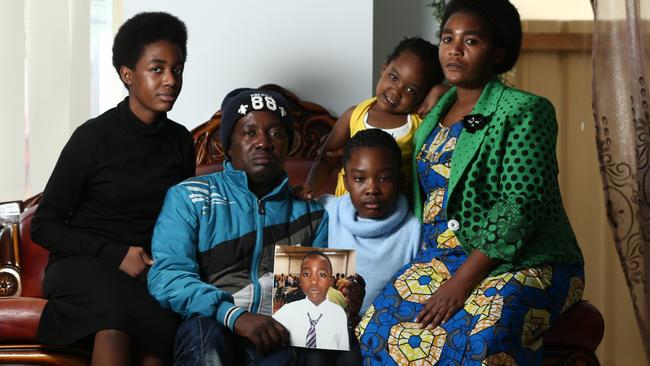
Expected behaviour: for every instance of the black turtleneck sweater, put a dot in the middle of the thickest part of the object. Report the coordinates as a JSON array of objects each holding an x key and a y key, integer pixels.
[{"x": 109, "y": 183}]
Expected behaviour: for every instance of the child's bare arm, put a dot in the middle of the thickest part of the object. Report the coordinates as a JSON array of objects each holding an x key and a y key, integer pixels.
[
  {"x": 431, "y": 99},
  {"x": 328, "y": 161}
]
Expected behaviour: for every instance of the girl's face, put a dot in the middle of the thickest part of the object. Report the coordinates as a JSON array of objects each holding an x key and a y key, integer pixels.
[
  {"x": 372, "y": 179},
  {"x": 467, "y": 52},
  {"x": 156, "y": 81},
  {"x": 402, "y": 85}
]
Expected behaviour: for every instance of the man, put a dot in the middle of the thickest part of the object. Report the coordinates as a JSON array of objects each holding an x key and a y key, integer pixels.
[{"x": 214, "y": 240}]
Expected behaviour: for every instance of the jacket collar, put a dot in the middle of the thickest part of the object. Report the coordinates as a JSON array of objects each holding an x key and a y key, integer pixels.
[
  {"x": 468, "y": 143},
  {"x": 239, "y": 180}
]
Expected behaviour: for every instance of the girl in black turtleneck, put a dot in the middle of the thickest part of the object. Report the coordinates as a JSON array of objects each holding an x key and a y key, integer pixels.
[{"x": 101, "y": 202}]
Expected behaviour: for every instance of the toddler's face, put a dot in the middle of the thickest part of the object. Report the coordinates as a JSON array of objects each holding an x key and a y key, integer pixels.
[
  {"x": 402, "y": 85},
  {"x": 315, "y": 278},
  {"x": 372, "y": 181}
]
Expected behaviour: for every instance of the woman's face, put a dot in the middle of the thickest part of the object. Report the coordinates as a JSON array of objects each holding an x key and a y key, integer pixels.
[
  {"x": 467, "y": 53},
  {"x": 156, "y": 81}
]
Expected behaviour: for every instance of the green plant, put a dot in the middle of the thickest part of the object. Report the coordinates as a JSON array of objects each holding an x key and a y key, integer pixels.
[{"x": 438, "y": 8}]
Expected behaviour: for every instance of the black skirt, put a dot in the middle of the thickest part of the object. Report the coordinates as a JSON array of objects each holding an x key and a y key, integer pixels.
[{"x": 88, "y": 294}]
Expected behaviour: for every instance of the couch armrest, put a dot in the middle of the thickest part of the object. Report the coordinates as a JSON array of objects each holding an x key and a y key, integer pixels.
[{"x": 10, "y": 283}]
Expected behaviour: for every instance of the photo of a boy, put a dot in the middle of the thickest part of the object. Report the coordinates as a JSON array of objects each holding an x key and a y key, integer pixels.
[{"x": 315, "y": 322}]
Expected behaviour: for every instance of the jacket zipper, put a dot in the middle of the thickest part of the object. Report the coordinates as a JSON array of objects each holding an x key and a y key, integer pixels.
[{"x": 259, "y": 241}]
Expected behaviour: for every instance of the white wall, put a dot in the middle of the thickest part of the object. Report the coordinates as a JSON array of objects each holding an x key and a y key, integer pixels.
[
  {"x": 329, "y": 52},
  {"x": 394, "y": 20},
  {"x": 45, "y": 88},
  {"x": 320, "y": 50}
]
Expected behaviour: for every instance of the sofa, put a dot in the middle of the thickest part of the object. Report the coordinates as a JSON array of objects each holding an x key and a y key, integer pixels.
[{"x": 572, "y": 341}]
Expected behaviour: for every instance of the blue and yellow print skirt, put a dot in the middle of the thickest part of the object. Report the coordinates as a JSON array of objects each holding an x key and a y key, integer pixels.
[{"x": 502, "y": 322}]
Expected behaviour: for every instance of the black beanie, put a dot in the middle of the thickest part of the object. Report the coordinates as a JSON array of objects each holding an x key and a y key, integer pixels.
[{"x": 242, "y": 101}]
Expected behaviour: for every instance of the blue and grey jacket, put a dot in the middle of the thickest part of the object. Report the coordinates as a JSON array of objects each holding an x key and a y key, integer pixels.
[{"x": 213, "y": 244}]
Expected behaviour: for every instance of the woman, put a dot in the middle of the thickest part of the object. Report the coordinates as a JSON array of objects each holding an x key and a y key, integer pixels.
[
  {"x": 501, "y": 261},
  {"x": 100, "y": 205}
]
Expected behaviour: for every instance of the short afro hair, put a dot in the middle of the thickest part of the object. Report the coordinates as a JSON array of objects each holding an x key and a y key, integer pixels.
[
  {"x": 317, "y": 253},
  {"x": 373, "y": 138},
  {"x": 426, "y": 51},
  {"x": 503, "y": 19},
  {"x": 143, "y": 29}
]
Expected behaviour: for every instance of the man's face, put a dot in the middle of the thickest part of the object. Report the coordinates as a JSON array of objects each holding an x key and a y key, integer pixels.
[
  {"x": 259, "y": 146},
  {"x": 315, "y": 278}
]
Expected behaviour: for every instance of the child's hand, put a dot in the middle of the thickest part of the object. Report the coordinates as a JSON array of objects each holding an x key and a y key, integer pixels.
[
  {"x": 443, "y": 304},
  {"x": 431, "y": 99},
  {"x": 335, "y": 154},
  {"x": 304, "y": 192},
  {"x": 354, "y": 292}
]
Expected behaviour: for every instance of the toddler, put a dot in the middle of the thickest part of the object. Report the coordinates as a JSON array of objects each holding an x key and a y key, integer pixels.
[{"x": 408, "y": 74}]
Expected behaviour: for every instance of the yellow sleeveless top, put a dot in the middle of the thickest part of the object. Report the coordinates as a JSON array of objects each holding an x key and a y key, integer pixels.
[{"x": 405, "y": 143}]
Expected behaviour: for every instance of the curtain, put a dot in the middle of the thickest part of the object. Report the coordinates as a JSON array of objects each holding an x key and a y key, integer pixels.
[
  {"x": 12, "y": 107},
  {"x": 46, "y": 88},
  {"x": 622, "y": 118}
]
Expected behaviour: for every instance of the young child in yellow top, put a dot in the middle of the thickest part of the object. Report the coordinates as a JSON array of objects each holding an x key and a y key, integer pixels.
[{"x": 410, "y": 71}]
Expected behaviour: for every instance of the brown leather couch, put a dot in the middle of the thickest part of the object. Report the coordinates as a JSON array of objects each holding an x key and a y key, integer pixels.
[
  {"x": 572, "y": 341},
  {"x": 21, "y": 300}
]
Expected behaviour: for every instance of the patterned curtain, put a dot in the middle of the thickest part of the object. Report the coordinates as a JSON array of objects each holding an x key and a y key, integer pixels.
[{"x": 622, "y": 117}]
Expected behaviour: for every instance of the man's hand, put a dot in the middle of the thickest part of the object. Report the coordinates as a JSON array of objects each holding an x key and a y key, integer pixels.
[
  {"x": 264, "y": 332},
  {"x": 354, "y": 291},
  {"x": 135, "y": 262},
  {"x": 443, "y": 304}
]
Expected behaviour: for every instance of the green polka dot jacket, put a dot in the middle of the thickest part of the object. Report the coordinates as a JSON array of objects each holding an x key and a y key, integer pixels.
[{"x": 503, "y": 188}]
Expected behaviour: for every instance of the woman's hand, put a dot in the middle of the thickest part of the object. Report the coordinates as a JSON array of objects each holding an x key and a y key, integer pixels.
[
  {"x": 136, "y": 262},
  {"x": 451, "y": 295},
  {"x": 443, "y": 304},
  {"x": 431, "y": 99}
]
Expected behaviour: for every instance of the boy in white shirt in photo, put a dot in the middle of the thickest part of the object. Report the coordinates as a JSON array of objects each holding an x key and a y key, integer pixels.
[{"x": 315, "y": 322}]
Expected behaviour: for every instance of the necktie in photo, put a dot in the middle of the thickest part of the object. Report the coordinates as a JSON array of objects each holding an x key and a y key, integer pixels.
[{"x": 311, "y": 333}]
